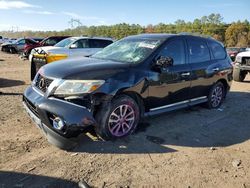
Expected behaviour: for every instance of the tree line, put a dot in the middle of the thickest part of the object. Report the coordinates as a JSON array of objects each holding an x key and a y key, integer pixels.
[{"x": 233, "y": 34}]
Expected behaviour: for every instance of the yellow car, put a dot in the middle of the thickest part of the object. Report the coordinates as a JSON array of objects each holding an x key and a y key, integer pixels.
[{"x": 69, "y": 47}]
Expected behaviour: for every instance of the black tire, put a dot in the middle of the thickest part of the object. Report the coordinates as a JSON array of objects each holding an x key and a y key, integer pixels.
[
  {"x": 32, "y": 70},
  {"x": 105, "y": 115},
  {"x": 216, "y": 96},
  {"x": 239, "y": 75}
]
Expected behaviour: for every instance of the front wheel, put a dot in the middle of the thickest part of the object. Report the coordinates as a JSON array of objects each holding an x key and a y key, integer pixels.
[
  {"x": 216, "y": 95},
  {"x": 117, "y": 119}
]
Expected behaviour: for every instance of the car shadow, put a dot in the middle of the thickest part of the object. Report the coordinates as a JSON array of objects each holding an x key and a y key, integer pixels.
[
  {"x": 1, "y": 59},
  {"x": 192, "y": 127},
  {"x": 10, "y": 83},
  {"x": 16, "y": 179},
  {"x": 13, "y": 94}
]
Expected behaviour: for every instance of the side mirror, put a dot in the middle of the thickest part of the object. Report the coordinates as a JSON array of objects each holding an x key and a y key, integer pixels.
[
  {"x": 73, "y": 46},
  {"x": 164, "y": 62}
]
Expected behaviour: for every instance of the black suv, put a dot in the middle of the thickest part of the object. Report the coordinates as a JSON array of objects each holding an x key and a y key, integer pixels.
[{"x": 134, "y": 77}]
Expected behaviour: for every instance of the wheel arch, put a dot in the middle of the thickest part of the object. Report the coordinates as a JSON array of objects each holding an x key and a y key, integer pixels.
[
  {"x": 225, "y": 84},
  {"x": 135, "y": 96}
]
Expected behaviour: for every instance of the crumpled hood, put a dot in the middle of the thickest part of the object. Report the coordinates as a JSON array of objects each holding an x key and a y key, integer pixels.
[
  {"x": 83, "y": 68},
  {"x": 46, "y": 49}
]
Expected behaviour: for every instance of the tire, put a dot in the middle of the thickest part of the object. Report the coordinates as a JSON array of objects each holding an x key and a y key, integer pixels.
[
  {"x": 32, "y": 70},
  {"x": 111, "y": 124},
  {"x": 238, "y": 75},
  {"x": 216, "y": 96}
]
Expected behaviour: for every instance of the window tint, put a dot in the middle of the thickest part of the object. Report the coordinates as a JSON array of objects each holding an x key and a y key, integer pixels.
[
  {"x": 50, "y": 42},
  {"x": 83, "y": 43},
  {"x": 198, "y": 51},
  {"x": 95, "y": 43},
  {"x": 175, "y": 49},
  {"x": 217, "y": 50},
  {"x": 21, "y": 41}
]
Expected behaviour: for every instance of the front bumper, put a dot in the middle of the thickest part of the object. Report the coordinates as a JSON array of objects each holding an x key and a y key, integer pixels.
[
  {"x": 242, "y": 67},
  {"x": 42, "y": 110}
]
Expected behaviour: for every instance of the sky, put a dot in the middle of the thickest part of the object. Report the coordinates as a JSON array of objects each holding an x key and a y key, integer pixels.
[{"x": 55, "y": 14}]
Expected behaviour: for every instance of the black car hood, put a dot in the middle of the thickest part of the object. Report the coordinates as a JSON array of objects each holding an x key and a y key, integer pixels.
[{"x": 83, "y": 68}]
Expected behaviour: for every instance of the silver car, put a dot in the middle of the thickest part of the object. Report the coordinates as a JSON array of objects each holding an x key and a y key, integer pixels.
[{"x": 67, "y": 48}]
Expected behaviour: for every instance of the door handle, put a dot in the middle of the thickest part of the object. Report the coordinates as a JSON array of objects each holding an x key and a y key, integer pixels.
[
  {"x": 216, "y": 69},
  {"x": 185, "y": 74}
]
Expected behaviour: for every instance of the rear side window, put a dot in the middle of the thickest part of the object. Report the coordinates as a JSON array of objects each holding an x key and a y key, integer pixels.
[
  {"x": 217, "y": 50},
  {"x": 51, "y": 42},
  {"x": 175, "y": 49},
  {"x": 82, "y": 43},
  {"x": 95, "y": 43},
  {"x": 198, "y": 51}
]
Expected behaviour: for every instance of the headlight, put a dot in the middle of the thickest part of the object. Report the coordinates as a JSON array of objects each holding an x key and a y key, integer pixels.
[
  {"x": 55, "y": 57},
  {"x": 74, "y": 87}
]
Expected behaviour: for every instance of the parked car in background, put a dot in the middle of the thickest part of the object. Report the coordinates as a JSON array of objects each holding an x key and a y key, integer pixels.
[
  {"x": 6, "y": 40},
  {"x": 233, "y": 51},
  {"x": 18, "y": 45},
  {"x": 69, "y": 47},
  {"x": 49, "y": 41},
  {"x": 134, "y": 77},
  {"x": 241, "y": 66}
]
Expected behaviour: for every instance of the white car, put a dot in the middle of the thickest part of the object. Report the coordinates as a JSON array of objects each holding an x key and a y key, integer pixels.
[
  {"x": 241, "y": 66},
  {"x": 67, "y": 48}
]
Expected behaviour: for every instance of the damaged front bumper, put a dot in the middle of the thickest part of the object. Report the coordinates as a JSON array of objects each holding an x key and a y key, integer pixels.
[{"x": 44, "y": 111}]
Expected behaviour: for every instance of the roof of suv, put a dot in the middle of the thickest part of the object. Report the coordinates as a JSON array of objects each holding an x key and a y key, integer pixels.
[
  {"x": 164, "y": 36},
  {"x": 100, "y": 38},
  {"x": 167, "y": 35}
]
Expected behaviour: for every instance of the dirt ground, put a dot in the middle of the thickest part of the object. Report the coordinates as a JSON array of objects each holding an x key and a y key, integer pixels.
[{"x": 193, "y": 147}]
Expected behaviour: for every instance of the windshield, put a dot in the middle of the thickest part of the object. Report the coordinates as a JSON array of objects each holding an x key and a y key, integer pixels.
[
  {"x": 66, "y": 42},
  {"x": 129, "y": 50},
  {"x": 232, "y": 49}
]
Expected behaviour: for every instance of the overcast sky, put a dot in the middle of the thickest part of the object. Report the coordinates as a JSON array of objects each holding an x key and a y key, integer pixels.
[{"x": 56, "y": 14}]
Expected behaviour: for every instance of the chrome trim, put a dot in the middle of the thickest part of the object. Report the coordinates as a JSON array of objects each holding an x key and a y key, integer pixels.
[
  {"x": 178, "y": 103},
  {"x": 198, "y": 98},
  {"x": 37, "y": 90},
  {"x": 53, "y": 98},
  {"x": 52, "y": 87},
  {"x": 169, "y": 105}
]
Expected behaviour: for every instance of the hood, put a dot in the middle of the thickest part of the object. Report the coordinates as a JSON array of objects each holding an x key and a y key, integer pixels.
[
  {"x": 7, "y": 43},
  {"x": 83, "y": 68},
  {"x": 244, "y": 54},
  {"x": 46, "y": 49}
]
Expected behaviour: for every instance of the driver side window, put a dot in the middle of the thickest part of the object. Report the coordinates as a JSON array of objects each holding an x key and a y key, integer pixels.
[{"x": 175, "y": 49}]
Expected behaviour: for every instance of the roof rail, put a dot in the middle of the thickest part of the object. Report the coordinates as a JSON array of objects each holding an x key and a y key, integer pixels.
[{"x": 195, "y": 34}]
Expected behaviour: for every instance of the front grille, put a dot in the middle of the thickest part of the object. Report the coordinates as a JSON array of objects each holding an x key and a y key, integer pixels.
[
  {"x": 39, "y": 62},
  {"x": 246, "y": 61},
  {"x": 31, "y": 106},
  {"x": 42, "y": 83}
]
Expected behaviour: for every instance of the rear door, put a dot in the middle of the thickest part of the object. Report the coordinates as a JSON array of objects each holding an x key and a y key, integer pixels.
[{"x": 204, "y": 69}]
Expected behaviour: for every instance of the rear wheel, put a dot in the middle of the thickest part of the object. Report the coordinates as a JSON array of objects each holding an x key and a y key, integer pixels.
[
  {"x": 216, "y": 95},
  {"x": 117, "y": 119}
]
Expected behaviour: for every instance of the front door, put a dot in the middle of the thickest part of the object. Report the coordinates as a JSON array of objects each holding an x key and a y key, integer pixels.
[{"x": 171, "y": 85}]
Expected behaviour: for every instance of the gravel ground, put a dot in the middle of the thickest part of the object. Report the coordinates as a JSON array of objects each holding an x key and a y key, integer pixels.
[{"x": 194, "y": 147}]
